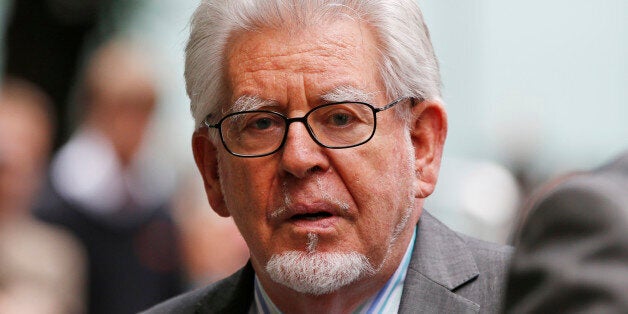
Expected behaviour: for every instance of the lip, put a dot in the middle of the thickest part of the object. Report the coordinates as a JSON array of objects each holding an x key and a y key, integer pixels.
[
  {"x": 317, "y": 224},
  {"x": 313, "y": 216}
]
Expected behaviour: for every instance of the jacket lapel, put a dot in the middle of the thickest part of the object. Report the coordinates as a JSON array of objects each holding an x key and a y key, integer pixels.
[
  {"x": 441, "y": 262},
  {"x": 231, "y": 295}
]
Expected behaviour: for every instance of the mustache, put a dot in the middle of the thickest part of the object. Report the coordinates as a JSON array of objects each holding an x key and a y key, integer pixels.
[{"x": 319, "y": 190}]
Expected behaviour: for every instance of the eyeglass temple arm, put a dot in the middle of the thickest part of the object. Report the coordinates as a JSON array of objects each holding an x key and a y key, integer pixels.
[
  {"x": 205, "y": 122},
  {"x": 413, "y": 99}
]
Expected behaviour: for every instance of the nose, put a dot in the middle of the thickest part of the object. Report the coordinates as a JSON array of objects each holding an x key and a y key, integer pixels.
[{"x": 301, "y": 156}]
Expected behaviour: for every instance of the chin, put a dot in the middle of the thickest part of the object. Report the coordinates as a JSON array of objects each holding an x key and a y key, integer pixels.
[{"x": 318, "y": 273}]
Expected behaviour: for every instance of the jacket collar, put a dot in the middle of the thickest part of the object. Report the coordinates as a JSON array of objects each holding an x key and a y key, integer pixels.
[
  {"x": 441, "y": 262},
  {"x": 232, "y": 295}
]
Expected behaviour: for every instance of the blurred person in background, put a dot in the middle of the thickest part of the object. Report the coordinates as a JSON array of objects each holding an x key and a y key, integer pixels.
[
  {"x": 104, "y": 192},
  {"x": 572, "y": 247},
  {"x": 212, "y": 246},
  {"x": 41, "y": 267},
  {"x": 45, "y": 40}
]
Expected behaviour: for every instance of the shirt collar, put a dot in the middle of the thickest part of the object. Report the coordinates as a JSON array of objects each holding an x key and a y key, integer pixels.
[{"x": 386, "y": 300}]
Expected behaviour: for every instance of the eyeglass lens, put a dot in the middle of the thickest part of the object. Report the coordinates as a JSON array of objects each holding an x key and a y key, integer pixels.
[{"x": 334, "y": 126}]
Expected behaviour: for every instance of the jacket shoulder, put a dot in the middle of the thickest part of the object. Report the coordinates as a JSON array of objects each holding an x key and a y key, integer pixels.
[
  {"x": 493, "y": 261},
  {"x": 233, "y": 294},
  {"x": 184, "y": 303},
  {"x": 488, "y": 253},
  {"x": 453, "y": 273}
]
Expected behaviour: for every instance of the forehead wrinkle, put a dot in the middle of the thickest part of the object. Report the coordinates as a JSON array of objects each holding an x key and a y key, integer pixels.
[
  {"x": 303, "y": 61},
  {"x": 276, "y": 46},
  {"x": 264, "y": 63}
]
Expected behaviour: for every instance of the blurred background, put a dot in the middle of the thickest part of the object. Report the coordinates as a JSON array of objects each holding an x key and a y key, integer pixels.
[{"x": 533, "y": 90}]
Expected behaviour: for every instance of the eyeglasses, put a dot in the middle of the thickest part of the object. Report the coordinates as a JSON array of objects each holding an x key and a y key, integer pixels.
[{"x": 258, "y": 133}]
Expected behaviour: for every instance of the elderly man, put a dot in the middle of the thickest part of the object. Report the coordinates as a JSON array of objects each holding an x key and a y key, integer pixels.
[{"x": 320, "y": 132}]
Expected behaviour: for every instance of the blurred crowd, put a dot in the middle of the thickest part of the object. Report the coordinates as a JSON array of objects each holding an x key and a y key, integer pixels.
[
  {"x": 86, "y": 224},
  {"x": 86, "y": 229}
]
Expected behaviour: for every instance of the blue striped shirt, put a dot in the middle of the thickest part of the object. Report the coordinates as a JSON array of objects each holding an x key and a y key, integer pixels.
[{"x": 386, "y": 300}]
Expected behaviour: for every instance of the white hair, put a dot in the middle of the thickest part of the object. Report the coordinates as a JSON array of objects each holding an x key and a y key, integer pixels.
[
  {"x": 318, "y": 273},
  {"x": 407, "y": 64}
]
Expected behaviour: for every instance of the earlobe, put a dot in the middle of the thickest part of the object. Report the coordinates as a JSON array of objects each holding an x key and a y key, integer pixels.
[
  {"x": 428, "y": 131},
  {"x": 205, "y": 156}
]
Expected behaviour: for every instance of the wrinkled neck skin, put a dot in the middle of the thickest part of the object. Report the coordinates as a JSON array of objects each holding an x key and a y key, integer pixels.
[{"x": 346, "y": 299}]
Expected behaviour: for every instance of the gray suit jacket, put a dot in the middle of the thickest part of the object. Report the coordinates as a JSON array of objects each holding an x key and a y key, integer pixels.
[
  {"x": 448, "y": 273},
  {"x": 573, "y": 251}
]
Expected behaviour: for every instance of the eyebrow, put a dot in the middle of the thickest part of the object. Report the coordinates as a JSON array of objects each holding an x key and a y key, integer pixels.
[
  {"x": 338, "y": 94},
  {"x": 248, "y": 103},
  {"x": 348, "y": 93}
]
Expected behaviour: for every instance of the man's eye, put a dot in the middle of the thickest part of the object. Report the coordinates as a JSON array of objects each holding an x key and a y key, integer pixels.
[
  {"x": 261, "y": 124},
  {"x": 340, "y": 119}
]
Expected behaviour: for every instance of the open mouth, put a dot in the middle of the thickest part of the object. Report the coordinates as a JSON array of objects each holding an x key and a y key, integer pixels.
[
  {"x": 311, "y": 216},
  {"x": 309, "y": 219}
]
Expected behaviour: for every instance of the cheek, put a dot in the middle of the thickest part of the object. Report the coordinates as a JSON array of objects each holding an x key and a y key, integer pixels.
[
  {"x": 233, "y": 183},
  {"x": 246, "y": 187},
  {"x": 383, "y": 182}
]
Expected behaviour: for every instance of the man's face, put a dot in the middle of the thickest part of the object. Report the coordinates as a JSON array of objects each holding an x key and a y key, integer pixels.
[{"x": 305, "y": 197}]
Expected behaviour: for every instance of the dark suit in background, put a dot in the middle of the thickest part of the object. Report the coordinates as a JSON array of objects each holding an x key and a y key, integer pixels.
[
  {"x": 573, "y": 250},
  {"x": 132, "y": 264}
]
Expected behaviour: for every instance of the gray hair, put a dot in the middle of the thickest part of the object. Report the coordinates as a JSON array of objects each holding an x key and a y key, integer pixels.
[{"x": 407, "y": 65}]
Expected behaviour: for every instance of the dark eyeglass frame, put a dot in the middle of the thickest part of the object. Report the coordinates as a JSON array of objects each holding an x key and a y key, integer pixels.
[{"x": 303, "y": 120}]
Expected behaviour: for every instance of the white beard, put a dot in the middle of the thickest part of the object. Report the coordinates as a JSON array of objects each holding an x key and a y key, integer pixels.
[{"x": 318, "y": 273}]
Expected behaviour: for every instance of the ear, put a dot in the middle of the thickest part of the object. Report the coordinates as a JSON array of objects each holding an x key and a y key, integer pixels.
[
  {"x": 428, "y": 130},
  {"x": 205, "y": 156}
]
